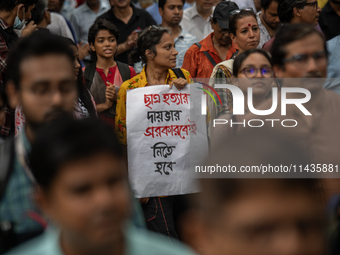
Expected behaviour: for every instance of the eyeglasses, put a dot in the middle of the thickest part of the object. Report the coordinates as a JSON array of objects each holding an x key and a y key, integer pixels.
[
  {"x": 234, "y": 12},
  {"x": 251, "y": 72},
  {"x": 301, "y": 60},
  {"x": 312, "y": 4}
]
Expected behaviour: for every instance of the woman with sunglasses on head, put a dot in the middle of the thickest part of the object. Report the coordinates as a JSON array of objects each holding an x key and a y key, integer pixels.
[
  {"x": 156, "y": 49},
  {"x": 253, "y": 69},
  {"x": 245, "y": 32}
]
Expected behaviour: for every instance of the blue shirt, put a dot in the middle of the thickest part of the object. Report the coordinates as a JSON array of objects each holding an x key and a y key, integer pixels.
[
  {"x": 83, "y": 18},
  {"x": 17, "y": 203},
  {"x": 138, "y": 242},
  {"x": 182, "y": 43},
  {"x": 333, "y": 70},
  {"x": 153, "y": 10}
]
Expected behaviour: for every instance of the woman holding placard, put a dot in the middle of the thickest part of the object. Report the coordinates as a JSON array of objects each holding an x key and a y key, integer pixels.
[{"x": 156, "y": 49}]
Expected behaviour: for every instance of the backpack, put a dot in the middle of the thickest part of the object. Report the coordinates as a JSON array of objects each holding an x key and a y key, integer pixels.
[{"x": 124, "y": 71}]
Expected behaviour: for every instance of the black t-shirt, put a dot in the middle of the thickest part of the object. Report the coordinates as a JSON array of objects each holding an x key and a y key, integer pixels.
[
  {"x": 329, "y": 22},
  {"x": 140, "y": 19}
]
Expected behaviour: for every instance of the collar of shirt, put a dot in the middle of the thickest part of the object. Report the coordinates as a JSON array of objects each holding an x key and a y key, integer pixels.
[
  {"x": 207, "y": 45},
  {"x": 102, "y": 7},
  {"x": 181, "y": 35},
  {"x": 3, "y": 24},
  {"x": 169, "y": 77},
  {"x": 194, "y": 12}
]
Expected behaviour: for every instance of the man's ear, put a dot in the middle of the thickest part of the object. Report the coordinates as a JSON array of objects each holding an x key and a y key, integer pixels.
[
  {"x": 297, "y": 12},
  {"x": 47, "y": 16},
  {"x": 278, "y": 71},
  {"x": 21, "y": 8},
  {"x": 12, "y": 94},
  {"x": 161, "y": 11}
]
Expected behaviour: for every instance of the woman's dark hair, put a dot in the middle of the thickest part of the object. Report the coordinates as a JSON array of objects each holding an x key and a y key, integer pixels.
[
  {"x": 147, "y": 40},
  {"x": 69, "y": 140},
  {"x": 99, "y": 25},
  {"x": 83, "y": 92},
  {"x": 285, "y": 9},
  {"x": 238, "y": 16},
  {"x": 244, "y": 55}
]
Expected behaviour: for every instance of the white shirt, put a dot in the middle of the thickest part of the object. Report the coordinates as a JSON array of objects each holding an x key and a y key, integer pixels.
[
  {"x": 265, "y": 37},
  {"x": 245, "y": 3},
  {"x": 195, "y": 24},
  {"x": 59, "y": 26}
]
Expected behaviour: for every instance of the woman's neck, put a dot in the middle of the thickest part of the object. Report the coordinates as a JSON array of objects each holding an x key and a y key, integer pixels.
[
  {"x": 105, "y": 64},
  {"x": 155, "y": 75}
]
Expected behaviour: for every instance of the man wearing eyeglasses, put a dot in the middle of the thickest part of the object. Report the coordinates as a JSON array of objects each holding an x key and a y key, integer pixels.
[
  {"x": 296, "y": 11},
  {"x": 299, "y": 51}
]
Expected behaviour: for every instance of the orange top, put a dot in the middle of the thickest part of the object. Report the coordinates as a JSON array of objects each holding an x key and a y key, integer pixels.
[{"x": 198, "y": 64}]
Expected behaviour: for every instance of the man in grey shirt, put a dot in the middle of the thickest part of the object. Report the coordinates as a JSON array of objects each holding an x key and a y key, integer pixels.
[
  {"x": 84, "y": 16},
  {"x": 196, "y": 19}
]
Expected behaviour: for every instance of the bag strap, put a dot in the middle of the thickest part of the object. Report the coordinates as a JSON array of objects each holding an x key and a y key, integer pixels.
[
  {"x": 206, "y": 53},
  {"x": 235, "y": 54},
  {"x": 178, "y": 72},
  {"x": 198, "y": 45},
  {"x": 89, "y": 74},
  {"x": 6, "y": 163},
  {"x": 124, "y": 70}
]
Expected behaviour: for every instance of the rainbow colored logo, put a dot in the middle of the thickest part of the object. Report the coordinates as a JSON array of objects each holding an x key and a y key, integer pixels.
[{"x": 209, "y": 93}]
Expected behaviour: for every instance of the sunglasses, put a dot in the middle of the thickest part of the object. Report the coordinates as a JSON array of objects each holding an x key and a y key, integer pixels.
[{"x": 234, "y": 12}]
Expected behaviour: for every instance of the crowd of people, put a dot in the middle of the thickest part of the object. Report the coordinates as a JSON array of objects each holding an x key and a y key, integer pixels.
[{"x": 67, "y": 68}]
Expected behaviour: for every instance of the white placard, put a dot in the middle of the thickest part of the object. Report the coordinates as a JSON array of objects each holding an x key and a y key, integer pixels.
[{"x": 165, "y": 134}]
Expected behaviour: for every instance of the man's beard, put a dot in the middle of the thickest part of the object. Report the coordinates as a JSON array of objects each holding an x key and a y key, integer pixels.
[
  {"x": 226, "y": 42},
  {"x": 268, "y": 24},
  {"x": 48, "y": 117}
]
